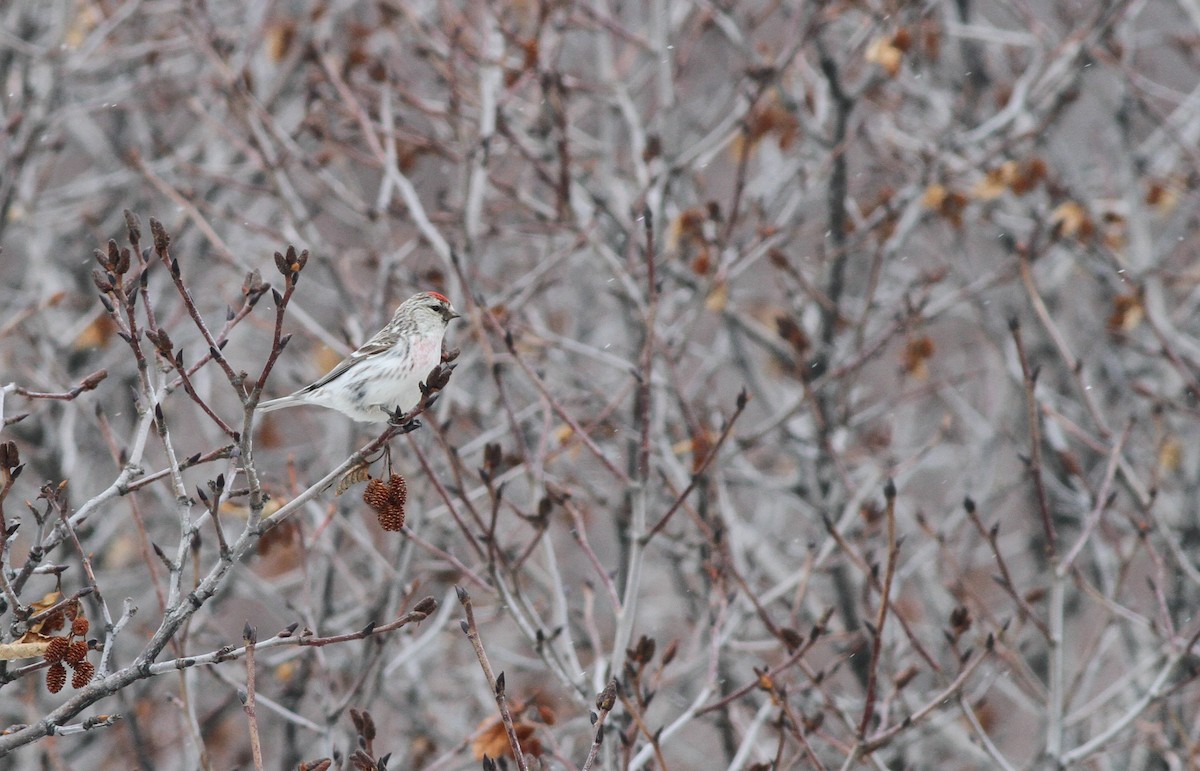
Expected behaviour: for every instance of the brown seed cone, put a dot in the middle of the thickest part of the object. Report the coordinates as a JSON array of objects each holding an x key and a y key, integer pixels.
[
  {"x": 56, "y": 677},
  {"x": 76, "y": 653},
  {"x": 392, "y": 519},
  {"x": 397, "y": 490},
  {"x": 388, "y": 501},
  {"x": 57, "y": 650},
  {"x": 375, "y": 495},
  {"x": 79, "y": 627},
  {"x": 83, "y": 674}
]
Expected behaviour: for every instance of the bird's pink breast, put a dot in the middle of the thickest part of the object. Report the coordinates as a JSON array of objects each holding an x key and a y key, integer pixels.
[{"x": 426, "y": 353}]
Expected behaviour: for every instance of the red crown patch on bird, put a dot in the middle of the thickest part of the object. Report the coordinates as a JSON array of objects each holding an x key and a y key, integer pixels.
[{"x": 440, "y": 297}]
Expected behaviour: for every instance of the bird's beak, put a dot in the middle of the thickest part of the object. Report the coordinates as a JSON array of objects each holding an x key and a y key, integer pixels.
[{"x": 452, "y": 314}]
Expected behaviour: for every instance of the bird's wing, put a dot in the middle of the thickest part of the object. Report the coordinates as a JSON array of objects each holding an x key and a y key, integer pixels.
[{"x": 377, "y": 345}]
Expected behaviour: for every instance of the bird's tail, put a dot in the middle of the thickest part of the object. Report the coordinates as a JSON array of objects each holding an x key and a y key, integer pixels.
[{"x": 277, "y": 404}]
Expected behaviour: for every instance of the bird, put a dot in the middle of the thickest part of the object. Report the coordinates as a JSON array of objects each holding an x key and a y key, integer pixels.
[{"x": 381, "y": 379}]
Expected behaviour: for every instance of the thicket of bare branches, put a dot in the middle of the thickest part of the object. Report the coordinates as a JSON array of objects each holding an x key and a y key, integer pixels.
[{"x": 772, "y": 310}]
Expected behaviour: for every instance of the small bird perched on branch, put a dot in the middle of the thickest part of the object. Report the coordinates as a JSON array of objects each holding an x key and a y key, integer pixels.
[{"x": 381, "y": 379}]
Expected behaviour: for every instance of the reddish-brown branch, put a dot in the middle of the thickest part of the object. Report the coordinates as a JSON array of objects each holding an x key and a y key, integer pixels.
[
  {"x": 885, "y": 593},
  {"x": 1033, "y": 417}
]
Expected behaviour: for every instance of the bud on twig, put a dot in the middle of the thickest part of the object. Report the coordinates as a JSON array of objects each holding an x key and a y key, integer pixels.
[
  {"x": 608, "y": 697},
  {"x": 101, "y": 281},
  {"x": 428, "y": 606},
  {"x": 134, "y": 225},
  {"x": 161, "y": 240},
  {"x": 93, "y": 380},
  {"x": 291, "y": 264}
]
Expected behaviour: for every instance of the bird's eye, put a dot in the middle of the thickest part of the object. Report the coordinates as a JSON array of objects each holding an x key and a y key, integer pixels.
[{"x": 435, "y": 307}]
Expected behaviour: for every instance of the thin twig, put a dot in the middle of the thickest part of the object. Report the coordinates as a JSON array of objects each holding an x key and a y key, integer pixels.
[
  {"x": 889, "y": 493},
  {"x": 604, "y": 704},
  {"x": 1033, "y": 416},
  {"x": 250, "y": 637},
  {"x": 496, "y": 683}
]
